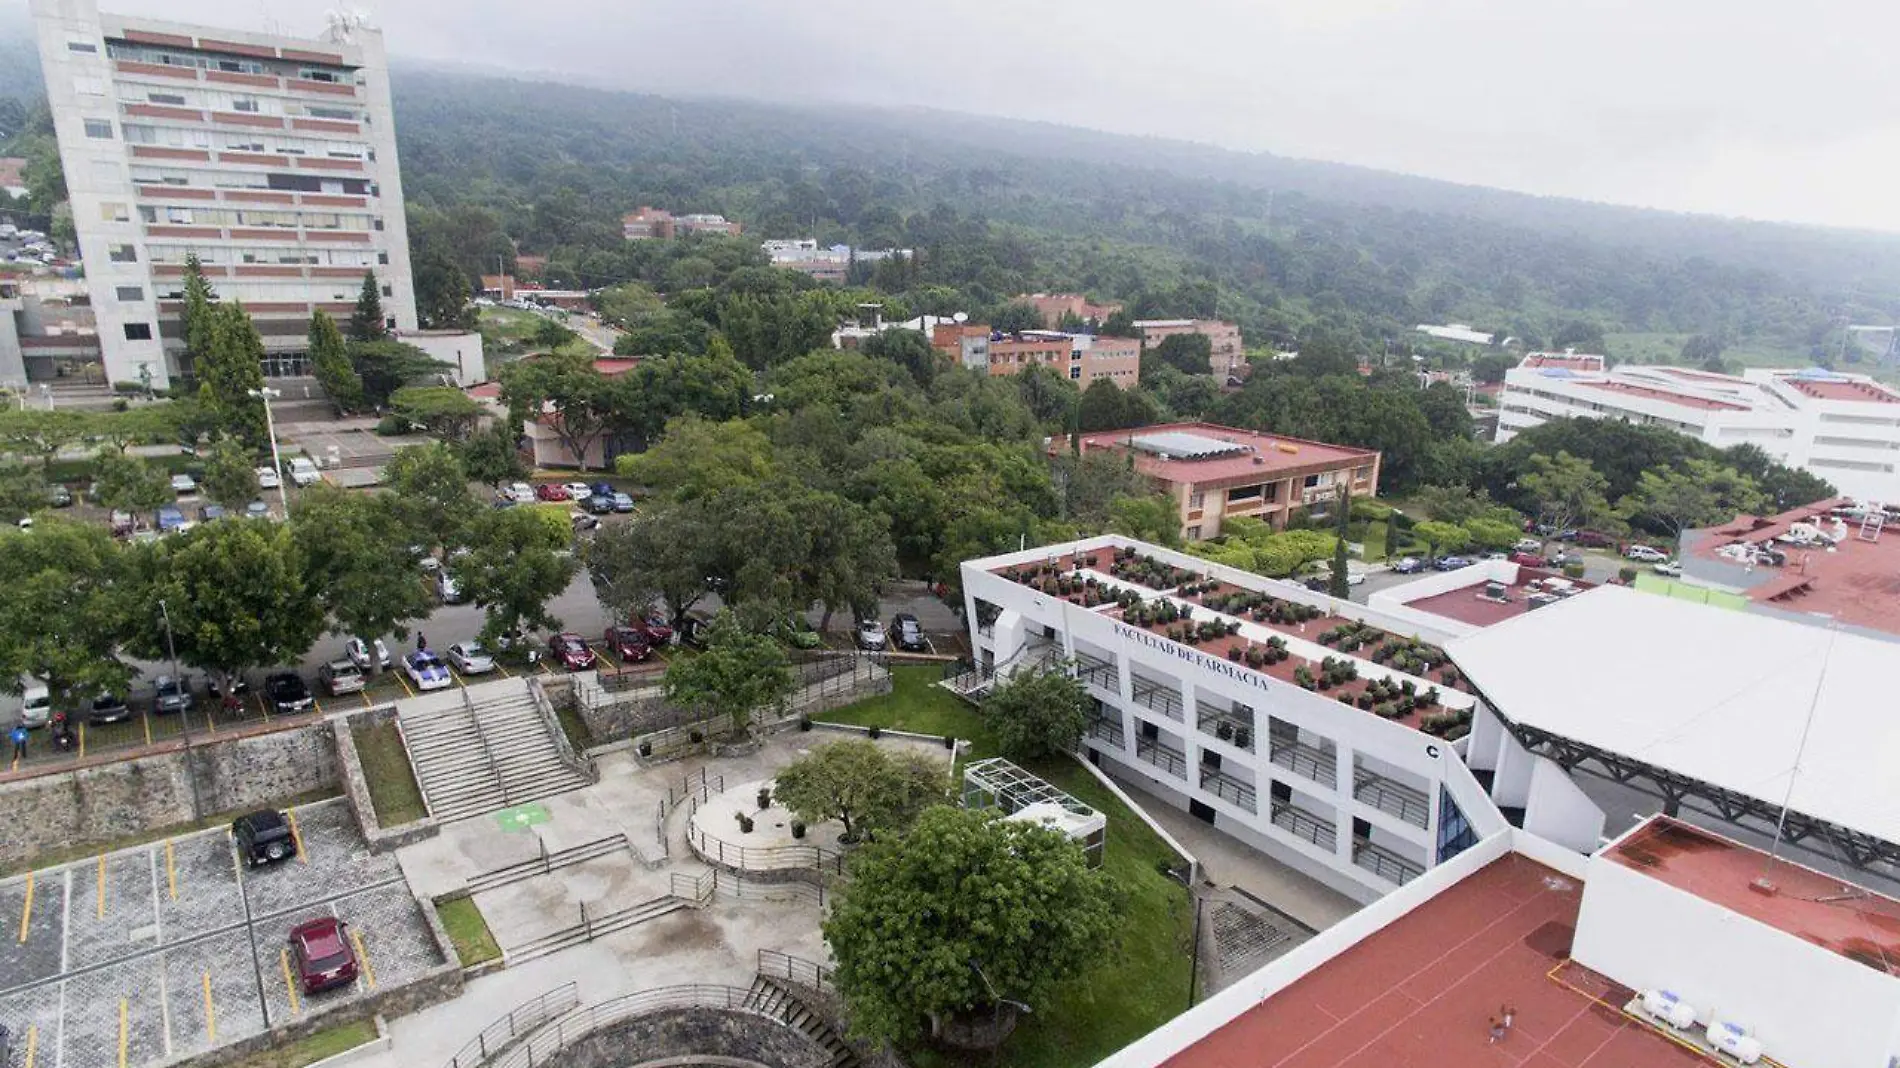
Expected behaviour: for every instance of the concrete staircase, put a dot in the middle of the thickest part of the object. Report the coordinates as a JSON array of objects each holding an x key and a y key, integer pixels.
[
  {"x": 777, "y": 999},
  {"x": 489, "y": 750}
]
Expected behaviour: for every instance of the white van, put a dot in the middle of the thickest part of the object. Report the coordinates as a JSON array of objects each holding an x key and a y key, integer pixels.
[
  {"x": 36, "y": 704},
  {"x": 303, "y": 472}
]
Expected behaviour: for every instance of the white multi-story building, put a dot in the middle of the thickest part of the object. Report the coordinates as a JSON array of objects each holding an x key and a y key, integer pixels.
[
  {"x": 1256, "y": 729},
  {"x": 273, "y": 159},
  {"x": 1843, "y": 428}
]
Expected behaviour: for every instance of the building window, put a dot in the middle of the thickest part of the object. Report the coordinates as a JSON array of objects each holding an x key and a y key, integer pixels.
[
  {"x": 1196, "y": 501},
  {"x": 379, "y": 224},
  {"x": 123, "y": 254},
  {"x": 99, "y": 129},
  {"x": 129, "y": 294},
  {"x": 176, "y": 100},
  {"x": 390, "y": 322},
  {"x": 1075, "y": 372},
  {"x": 389, "y": 291},
  {"x": 382, "y": 257},
  {"x": 80, "y": 44},
  {"x": 114, "y": 213},
  {"x": 1194, "y": 533},
  {"x": 244, "y": 103},
  {"x": 138, "y": 331}
]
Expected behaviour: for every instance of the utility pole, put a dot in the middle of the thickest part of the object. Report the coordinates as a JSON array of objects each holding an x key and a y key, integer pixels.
[
  {"x": 267, "y": 394},
  {"x": 184, "y": 714}
]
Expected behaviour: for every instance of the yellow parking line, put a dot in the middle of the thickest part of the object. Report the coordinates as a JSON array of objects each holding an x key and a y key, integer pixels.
[
  {"x": 405, "y": 683},
  {"x": 456, "y": 678},
  {"x": 362, "y": 958},
  {"x": 367, "y": 703},
  {"x": 211, "y": 725},
  {"x": 503, "y": 668},
  {"x": 102, "y": 886},
  {"x": 147, "y": 720},
  {"x": 82, "y": 739},
  {"x": 543, "y": 665},
  {"x": 283, "y": 957},
  {"x": 296, "y": 836},
  {"x": 211, "y": 1012},
  {"x": 123, "y": 1034},
  {"x": 26, "y": 912},
  {"x": 32, "y": 1043},
  {"x": 171, "y": 869},
  {"x": 611, "y": 662}
]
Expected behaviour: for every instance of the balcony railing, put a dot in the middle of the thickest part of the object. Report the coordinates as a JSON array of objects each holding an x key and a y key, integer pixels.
[
  {"x": 1308, "y": 761},
  {"x": 1167, "y": 758},
  {"x": 1300, "y": 823},
  {"x": 1109, "y": 731},
  {"x": 1384, "y": 863},
  {"x": 1391, "y": 797},
  {"x": 1096, "y": 671},
  {"x": 1161, "y": 698},
  {"x": 1239, "y": 729},
  {"x": 1228, "y": 788}
]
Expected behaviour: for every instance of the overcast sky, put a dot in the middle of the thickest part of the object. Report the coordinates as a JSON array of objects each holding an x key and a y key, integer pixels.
[{"x": 1737, "y": 107}]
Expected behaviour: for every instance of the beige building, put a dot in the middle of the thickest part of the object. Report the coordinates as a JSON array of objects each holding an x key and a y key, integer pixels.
[
  {"x": 1228, "y": 359},
  {"x": 1081, "y": 358}
]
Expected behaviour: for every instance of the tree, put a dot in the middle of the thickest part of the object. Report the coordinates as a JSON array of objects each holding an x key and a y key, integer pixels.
[
  {"x": 63, "y": 611},
  {"x": 1151, "y": 518},
  {"x": 1784, "y": 487},
  {"x": 1441, "y": 536},
  {"x": 960, "y": 912},
  {"x": 1564, "y": 490},
  {"x": 861, "y": 786},
  {"x": 848, "y": 556},
  {"x": 199, "y": 298},
  {"x": 1037, "y": 714},
  {"x": 736, "y": 674},
  {"x": 698, "y": 458},
  {"x": 1704, "y": 351},
  {"x": 1700, "y": 493},
  {"x": 516, "y": 563},
  {"x": 230, "y": 475},
  {"x": 1051, "y": 397},
  {"x": 1580, "y": 335},
  {"x": 431, "y": 493},
  {"x": 565, "y": 393},
  {"x": 22, "y": 491},
  {"x": 446, "y": 412},
  {"x": 367, "y": 322},
  {"x": 908, "y": 349},
  {"x": 1107, "y": 406},
  {"x": 665, "y": 554},
  {"x": 330, "y": 363},
  {"x": 126, "y": 483},
  {"x": 386, "y": 366},
  {"x": 492, "y": 455},
  {"x": 235, "y": 593},
  {"x": 1326, "y": 354},
  {"x": 1119, "y": 324},
  {"x": 1340, "y": 584},
  {"x": 442, "y": 286},
  {"x": 1017, "y": 316},
  {"x": 1190, "y": 354},
  {"x": 355, "y": 551},
  {"x": 1394, "y": 523},
  {"x": 551, "y": 334},
  {"x": 230, "y": 372}
]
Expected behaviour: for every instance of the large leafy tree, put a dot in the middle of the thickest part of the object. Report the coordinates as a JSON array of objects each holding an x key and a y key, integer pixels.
[
  {"x": 236, "y": 594},
  {"x": 22, "y": 490},
  {"x": 1107, "y": 406},
  {"x": 230, "y": 475},
  {"x": 492, "y": 455},
  {"x": 962, "y": 910},
  {"x": 128, "y": 483},
  {"x": 737, "y": 674},
  {"x": 862, "y": 786},
  {"x": 64, "y": 608},
  {"x": 1037, "y": 714},
  {"x": 566, "y": 393},
  {"x": 385, "y": 366},
  {"x": 44, "y": 433},
  {"x": 330, "y": 363},
  {"x": 446, "y": 412},
  {"x": 230, "y": 369},
  {"x": 1700, "y": 493},
  {"x": 714, "y": 386},
  {"x": 847, "y": 558},
  {"x": 699, "y": 458},
  {"x": 516, "y": 563},
  {"x": 1188, "y": 353},
  {"x": 432, "y": 495},
  {"x": 355, "y": 553},
  {"x": 1565, "y": 490},
  {"x": 664, "y": 555},
  {"x": 367, "y": 322}
]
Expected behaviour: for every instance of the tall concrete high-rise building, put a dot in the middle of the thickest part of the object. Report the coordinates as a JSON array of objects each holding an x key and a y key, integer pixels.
[{"x": 273, "y": 159}]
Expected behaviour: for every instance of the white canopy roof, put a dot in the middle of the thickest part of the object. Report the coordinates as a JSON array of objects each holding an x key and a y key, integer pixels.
[{"x": 1717, "y": 695}]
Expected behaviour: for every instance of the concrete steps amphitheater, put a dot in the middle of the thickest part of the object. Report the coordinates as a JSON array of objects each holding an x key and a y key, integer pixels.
[
  {"x": 770, "y": 997},
  {"x": 489, "y": 750}
]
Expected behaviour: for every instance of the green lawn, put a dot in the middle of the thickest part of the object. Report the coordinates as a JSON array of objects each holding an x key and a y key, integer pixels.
[
  {"x": 574, "y": 726},
  {"x": 392, "y": 785},
  {"x": 463, "y": 921},
  {"x": 1138, "y": 984},
  {"x": 314, "y": 1047}
]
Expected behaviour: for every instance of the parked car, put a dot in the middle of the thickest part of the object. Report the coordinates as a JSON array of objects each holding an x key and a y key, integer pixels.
[
  {"x": 870, "y": 635},
  {"x": 1528, "y": 545},
  {"x": 1451, "y": 563},
  {"x": 257, "y": 510},
  {"x": 1667, "y": 567},
  {"x": 655, "y": 627},
  {"x": 303, "y": 472},
  {"x": 1524, "y": 559},
  {"x": 267, "y": 478},
  {"x": 288, "y": 693},
  {"x": 519, "y": 492},
  {"x": 572, "y": 651},
  {"x": 320, "y": 951},
  {"x": 1644, "y": 554},
  {"x": 36, "y": 703},
  {"x": 184, "y": 485},
  {"x": 171, "y": 695},
  {"x": 109, "y": 708},
  {"x": 601, "y": 489},
  {"x": 120, "y": 523},
  {"x": 551, "y": 491},
  {"x": 627, "y": 644},
  {"x": 579, "y": 491},
  {"x": 209, "y": 512},
  {"x": 171, "y": 520},
  {"x": 908, "y": 633},
  {"x": 622, "y": 503},
  {"x": 60, "y": 497},
  {"x": 597, "y": 505},
  {"x": 359, "y": 653},
  {"x": 1409, "y": 565},
  {"x": 447, "y": 588},
  {"x": 426, "y": 671},
  {"x": 471, "y": 658},
  {"x": 339, "y": 677},
  {"x": 693, "y": 632},
  {"x": 263, "y": 837},
  {"x": 583, "y": 522},
  {"x": 1591, "y": 539}
]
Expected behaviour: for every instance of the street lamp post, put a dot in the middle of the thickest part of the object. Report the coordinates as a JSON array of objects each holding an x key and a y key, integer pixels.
[
  {"x": 184, "y": 714},
  {"x": 267, "y": 394}
]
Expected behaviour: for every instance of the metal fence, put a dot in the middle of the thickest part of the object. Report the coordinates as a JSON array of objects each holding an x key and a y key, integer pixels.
[
  {"x": 776, "y": 965},
  {"x": 544, "y": 1046},
  {"x": 547, "y": 862},
  {"x": 522, "y": 1019},
  {"x": 695, "y": 787},
  {"x": 764, "y": 858}
]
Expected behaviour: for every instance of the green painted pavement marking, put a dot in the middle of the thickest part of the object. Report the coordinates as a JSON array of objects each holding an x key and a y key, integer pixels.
[{"x": 522, "y": 817}]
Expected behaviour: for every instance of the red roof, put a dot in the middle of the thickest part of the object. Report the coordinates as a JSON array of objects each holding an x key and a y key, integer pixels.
[
  {"x": 1844, "y": 390},
  {"x": 1853, "y": 584},
  {"x": 1257, "y": 457},
  {"x": 1466, "y": 606},
  {"x": 1667, "y": 396},
  {"x": 1421, "y": 992}
]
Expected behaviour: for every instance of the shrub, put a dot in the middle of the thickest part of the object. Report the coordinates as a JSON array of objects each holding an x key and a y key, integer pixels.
[
  {"x": 1234, "y": 654},
  {"x": 765, "y": 798},
  {"x": 1255, "y": 657},
  {"x": 1303, "y": 676},
  {"x": 1573, "y": 571},
  {"x": 798, "y": 828},
  {"x": 695, "y": 737},
  {"x": 874, "y": 731},
  {"x": 804, "y": 722},
  {"x": 646, "y": 749}
]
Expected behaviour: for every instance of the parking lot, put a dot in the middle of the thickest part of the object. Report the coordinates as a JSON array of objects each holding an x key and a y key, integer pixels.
[{"x": 174, "y": 948}]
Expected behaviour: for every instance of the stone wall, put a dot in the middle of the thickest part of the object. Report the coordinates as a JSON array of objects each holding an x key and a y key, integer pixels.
[
  {"x": 356, "y": 787},
  {"x": 110, "y": 798},
  {"x": 681, "y": 1032}
]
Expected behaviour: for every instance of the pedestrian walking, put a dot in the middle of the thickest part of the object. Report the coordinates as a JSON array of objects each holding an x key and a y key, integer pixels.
[
  {"x": 1497, "y": 1030},
  {"x": 1508, "y": 1017},
  {"x": 422, "y": 643},
  {"x": 18, "y": 737}
]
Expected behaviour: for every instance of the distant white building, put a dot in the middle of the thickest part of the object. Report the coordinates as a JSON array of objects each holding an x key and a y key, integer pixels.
[
  {"x": 1460, "y": 332},
  {"x": 1841, "y": 427}
]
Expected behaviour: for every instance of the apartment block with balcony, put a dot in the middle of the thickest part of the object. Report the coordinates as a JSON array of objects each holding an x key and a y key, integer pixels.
[
  {"x": 1318, "y": 731},
  {"x": 1228, "y": 359},
  {"x": 1215, "y": 473},
  {"x": 1841, "y": 427},
  {"x": 1081, "y": 358},
  {"x": 272, "y": 159}
]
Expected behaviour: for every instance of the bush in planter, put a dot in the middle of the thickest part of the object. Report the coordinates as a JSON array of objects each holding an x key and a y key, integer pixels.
[
  {"x": 804, "y": 722},
  {"x": 1365, "y": 699},
  {"x": 874, "y": 731},
  {"x": 1430, "y": 698},
  {"x": 765, "y": 798},
  {"x": 1573, "y": 571},
  {"x": 798, "y": 828},
  {"x": 646, "y": 749},
  {"x": 1255, "y": 657},
  {"x": 695, "y": 737},
  {"x": 1233, "y": 626},
  {"x": 1234, "y": 654},
  {"x": 1303, "y": 676}
]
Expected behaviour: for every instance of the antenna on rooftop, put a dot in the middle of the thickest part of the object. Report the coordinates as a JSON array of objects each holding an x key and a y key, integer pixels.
[{"x": 1807, "y": 727}]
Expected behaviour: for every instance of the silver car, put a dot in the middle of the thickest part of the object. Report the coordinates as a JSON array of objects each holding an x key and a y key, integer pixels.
[{"x": 471, "y": 658}]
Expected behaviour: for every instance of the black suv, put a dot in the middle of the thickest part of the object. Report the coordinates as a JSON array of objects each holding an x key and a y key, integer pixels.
[
  {"x": 288, "y": 694},
  {"x": 263, "y": 837},
  {"x": 908, "y": 633}
]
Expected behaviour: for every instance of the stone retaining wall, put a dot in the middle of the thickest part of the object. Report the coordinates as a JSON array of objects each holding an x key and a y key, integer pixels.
[{"x": 669, "y": 1033}]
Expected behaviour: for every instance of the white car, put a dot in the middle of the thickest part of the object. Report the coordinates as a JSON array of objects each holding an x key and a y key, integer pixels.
[
  {"x": 426, "y": 672},
  {"x": 447, "y": 588},
  {"x": 1667, "y": 567},
  {"x": 870, "y": 635},
  {"x": 184, "y": 485},
  {"x": 470, "y": 658},
  {"x": 267, "y": 478},
  {"x": 579, "y": 491},
  {"x": 521, "y": 493},
  {"x": 1645, "y": 554},
  {"x": 1528, "y": 545},
  {"x": 359, "y": 653},
  {"x": 304, "y": 473}
]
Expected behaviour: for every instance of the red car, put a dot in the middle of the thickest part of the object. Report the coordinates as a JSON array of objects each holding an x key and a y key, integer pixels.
[
  {"x": 1528, "y": 560},
  {"x": 656, "y": 629},
  {"x": 572, "y": 651},
  {"x": 628, "y": 644},
  {"x": 320, "y": 951},
  {"x": 551, "y": 491}
]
